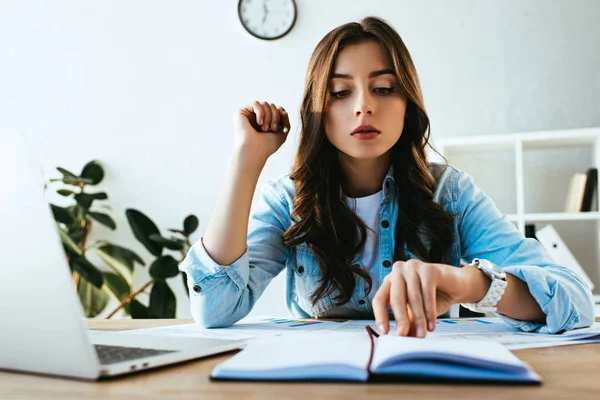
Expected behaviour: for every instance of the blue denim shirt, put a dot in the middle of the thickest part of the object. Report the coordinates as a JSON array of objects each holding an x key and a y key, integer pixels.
[{"x": 226, "y": 293}]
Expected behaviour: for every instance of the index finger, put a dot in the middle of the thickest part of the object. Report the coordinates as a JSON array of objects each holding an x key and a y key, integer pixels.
[{"x": 380, "y": 307}]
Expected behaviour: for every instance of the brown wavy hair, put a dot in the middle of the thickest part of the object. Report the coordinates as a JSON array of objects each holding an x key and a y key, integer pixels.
[{"x": 321, "y": 217}]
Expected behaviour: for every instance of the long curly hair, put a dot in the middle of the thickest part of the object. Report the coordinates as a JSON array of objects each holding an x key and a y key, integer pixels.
[{"x": 321, "y": 217}]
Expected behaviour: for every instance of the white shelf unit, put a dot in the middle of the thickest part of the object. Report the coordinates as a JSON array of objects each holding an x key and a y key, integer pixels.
[{"x": 527, "y": 175}]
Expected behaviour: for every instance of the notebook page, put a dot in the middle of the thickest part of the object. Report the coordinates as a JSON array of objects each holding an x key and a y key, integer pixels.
[
  {"x": 272, "y": 357},
  {"x": 388, "y": 347}
]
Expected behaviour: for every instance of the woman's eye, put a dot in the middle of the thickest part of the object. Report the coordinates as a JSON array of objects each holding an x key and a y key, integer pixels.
[
  {"x": 383, "y": 90},
  {"x": 340, "y": 94}
]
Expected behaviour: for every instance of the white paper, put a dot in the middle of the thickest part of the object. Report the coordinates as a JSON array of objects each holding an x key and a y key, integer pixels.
[
  {"x": 491, "y": 329},
  {"x": 247, "y": 328}
]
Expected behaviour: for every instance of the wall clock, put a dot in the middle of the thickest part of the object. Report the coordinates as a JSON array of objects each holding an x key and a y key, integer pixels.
[{"x": 267, "y": 19}]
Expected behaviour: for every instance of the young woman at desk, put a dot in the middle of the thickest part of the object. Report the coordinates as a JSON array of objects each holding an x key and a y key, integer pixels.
[{"x": 364, "y": 226}]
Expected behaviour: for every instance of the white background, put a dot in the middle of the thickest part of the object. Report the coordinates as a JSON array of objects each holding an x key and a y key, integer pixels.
[{"x": 149, "y": 87}]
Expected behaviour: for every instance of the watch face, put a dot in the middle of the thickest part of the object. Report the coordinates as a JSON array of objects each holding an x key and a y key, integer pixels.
[
  {"x": 490, "y": 268},
  {"x": 267, "y": 19}
]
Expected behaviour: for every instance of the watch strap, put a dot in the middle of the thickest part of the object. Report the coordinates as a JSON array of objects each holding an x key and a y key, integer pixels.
[{"x": 491, "y": 298}]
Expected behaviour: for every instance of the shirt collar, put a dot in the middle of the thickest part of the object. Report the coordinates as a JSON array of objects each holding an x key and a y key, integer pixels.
[{"x": 389, "y": 182}]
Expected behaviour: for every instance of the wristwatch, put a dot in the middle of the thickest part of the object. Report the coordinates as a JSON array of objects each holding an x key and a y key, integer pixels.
[{"x": 496, "y": 290}]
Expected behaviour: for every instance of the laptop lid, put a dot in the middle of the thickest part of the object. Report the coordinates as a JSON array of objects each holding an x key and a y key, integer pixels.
[{"x": 43, "y": 329}]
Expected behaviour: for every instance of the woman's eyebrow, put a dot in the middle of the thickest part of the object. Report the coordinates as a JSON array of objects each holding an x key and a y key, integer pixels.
[{"x": 371, "y": 75}]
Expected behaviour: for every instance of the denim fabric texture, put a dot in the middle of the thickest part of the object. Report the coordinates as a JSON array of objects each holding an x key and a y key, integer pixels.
[{"x": 226, "y": 293}]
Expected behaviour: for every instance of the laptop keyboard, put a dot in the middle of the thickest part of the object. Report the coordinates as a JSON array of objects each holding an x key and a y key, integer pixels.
[{"x": 116, "y": 354}]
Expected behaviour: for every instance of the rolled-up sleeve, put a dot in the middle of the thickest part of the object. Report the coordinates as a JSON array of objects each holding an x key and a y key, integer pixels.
[
  {"x": 485, "y": 233},
  {"x": 221, "y": 295}
]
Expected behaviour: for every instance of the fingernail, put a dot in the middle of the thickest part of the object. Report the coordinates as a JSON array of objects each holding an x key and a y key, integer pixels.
[
  {"x": 274, "y": 126},
  {"x": 431, "y": 325},
  {"x": 260, "y": 121},
  {"x": 420, "y": 332},
  {"x": 266, "y": 128},
  {"x": 381, "y": 328}
]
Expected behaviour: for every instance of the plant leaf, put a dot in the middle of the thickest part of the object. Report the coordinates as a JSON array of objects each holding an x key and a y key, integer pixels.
[
  {"x": 120, "y": 259},
  {"x": 164, "y": 267},
  {"x": 143, "y": 228},
  {"x": 116, "y": 285},
  {"x": 66, "y": 173},
  {"x": 68, "y": 242},
  {"x": 71, "y": 179},
  {"x": 162, "y": 300},
  {"x": 104, "y": 219},
  {"x": 62, "y": 214},
  {"x": 76, "y": 233},
  {"x": 93, "y": 171},
  {"x": 65, "y": 192},
  {"x": 190, "y": 224},
  {"x": 84, "y": 200},
  {"x": 168, "y": 243},
  {"x": 177, "y": 231},
  {"x": 87, "y": 270},
  {"x": 92, "y": 299},
  {"x": 99, "y": 195},
  {"x": 138, "y": 310}
]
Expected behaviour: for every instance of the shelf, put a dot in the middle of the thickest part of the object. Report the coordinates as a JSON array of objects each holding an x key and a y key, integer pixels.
[
  {"x": 562, "y": 216},
  {"x": 528, "y": 174},
  {"x": 570, "y": 137}
]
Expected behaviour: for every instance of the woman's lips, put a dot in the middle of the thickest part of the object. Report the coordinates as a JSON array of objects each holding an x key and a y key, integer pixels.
[{"x": 365, "y": 135}]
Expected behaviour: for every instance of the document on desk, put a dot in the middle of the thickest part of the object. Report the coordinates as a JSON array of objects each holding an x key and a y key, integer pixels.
[
  {"x": 247, "y": 328},
  {"x": 493, "y": 329}
]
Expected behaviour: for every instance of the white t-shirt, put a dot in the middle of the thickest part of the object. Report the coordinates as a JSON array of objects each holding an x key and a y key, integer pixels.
[{"x": 367, "y": 209}]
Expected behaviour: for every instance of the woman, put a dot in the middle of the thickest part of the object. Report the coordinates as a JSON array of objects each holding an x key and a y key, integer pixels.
[{"x": 364, "y": 226}]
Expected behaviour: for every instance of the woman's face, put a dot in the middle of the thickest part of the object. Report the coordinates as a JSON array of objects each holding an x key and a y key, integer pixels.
[{"x": 364, "y": 92}]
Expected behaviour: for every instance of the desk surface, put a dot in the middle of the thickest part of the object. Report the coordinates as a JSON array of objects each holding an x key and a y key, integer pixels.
[{"x": 568, "y": 372}]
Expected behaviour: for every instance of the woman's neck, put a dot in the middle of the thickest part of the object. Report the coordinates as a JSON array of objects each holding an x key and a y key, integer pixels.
[{"x": 364, "y": 177}]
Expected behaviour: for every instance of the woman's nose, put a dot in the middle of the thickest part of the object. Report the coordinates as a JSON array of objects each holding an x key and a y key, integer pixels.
[{"x": 364, "y": 105}]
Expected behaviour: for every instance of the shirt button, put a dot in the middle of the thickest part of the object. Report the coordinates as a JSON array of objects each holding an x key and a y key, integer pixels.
[
  {"x": 300, "y": 269},
  {"x": 387, "y": 263},
  {"x": 385, "y": 223},
  {"x": 197, "y": 289},
  {"x": 361, "y": 302}
]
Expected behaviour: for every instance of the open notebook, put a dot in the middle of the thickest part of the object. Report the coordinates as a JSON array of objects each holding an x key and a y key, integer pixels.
[{"x": 367, "y": 356}]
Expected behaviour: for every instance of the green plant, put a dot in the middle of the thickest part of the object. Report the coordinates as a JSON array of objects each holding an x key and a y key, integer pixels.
[{"x": 96, "y": 286}]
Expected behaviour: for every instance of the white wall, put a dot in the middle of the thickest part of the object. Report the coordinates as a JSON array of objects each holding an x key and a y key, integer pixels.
[{"x": 149, "y": 87}]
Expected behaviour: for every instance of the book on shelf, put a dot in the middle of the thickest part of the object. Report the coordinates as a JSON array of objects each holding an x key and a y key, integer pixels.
[
  {"x": 366, "y": 356},
  {"x": 582, "y": 191},
  {"x": 575, "y": 191},
  {"x": 591, "y": 186},
  {"x": 559, "y": 251},
  {"x": 530, "y": 231}
]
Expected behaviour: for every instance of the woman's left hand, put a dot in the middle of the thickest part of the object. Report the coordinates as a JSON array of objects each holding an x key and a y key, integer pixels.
[{"x": 418, "y": 292}]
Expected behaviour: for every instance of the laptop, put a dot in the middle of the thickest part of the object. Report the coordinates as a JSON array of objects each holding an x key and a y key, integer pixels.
[{"x": 42, "y": 328}]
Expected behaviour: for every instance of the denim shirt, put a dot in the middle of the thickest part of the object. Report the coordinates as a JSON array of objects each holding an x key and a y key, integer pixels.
[{"x": 221, "y": 295}]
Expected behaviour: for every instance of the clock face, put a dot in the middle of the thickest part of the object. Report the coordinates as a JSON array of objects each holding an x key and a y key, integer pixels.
[{"x": 267, "y": 19}]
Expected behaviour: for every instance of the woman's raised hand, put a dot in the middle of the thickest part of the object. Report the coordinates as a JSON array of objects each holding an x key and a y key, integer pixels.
[{"x": 261, "y": 128}]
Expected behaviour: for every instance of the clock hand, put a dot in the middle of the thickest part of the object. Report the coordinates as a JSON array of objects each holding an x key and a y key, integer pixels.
[{"x": 266, "y": 12}]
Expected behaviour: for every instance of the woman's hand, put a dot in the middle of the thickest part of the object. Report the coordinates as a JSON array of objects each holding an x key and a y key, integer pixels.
[
  {"x": 261, "y": 128},
  {"x": 418, "y": 292}
]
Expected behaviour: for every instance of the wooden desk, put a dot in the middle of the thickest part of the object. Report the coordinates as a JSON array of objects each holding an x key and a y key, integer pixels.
[{"x": 568, "y": 372}]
